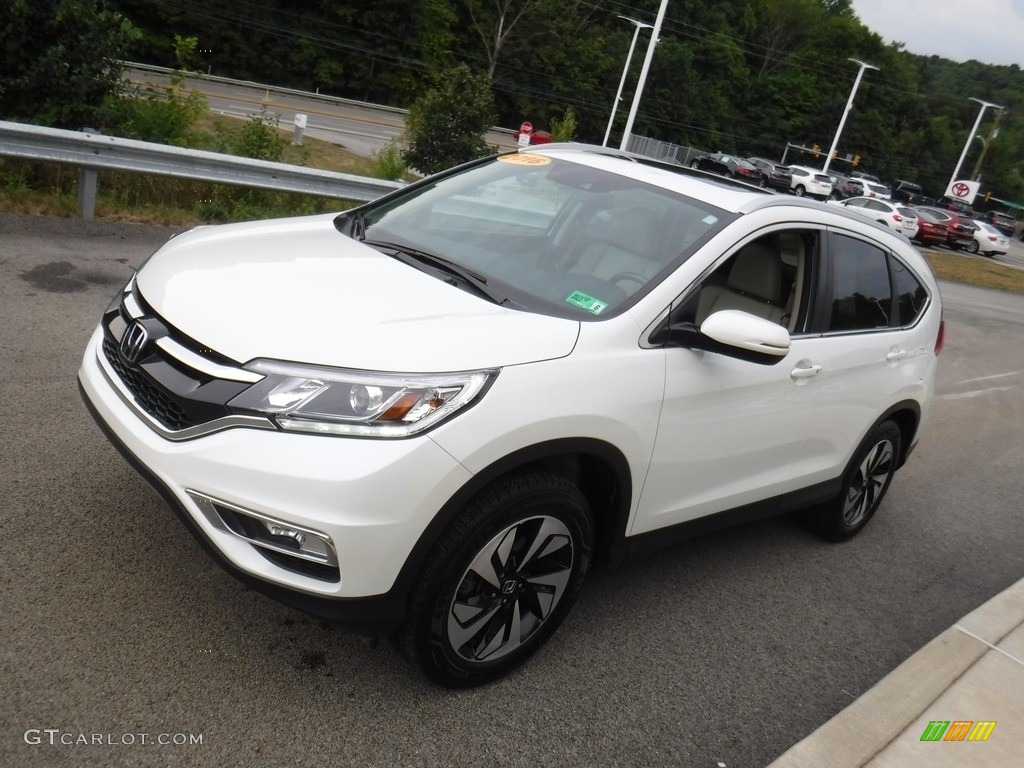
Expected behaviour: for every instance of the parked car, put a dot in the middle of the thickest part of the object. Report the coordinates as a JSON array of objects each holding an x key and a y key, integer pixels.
[
  {"x": 906, "y": 192},
  {"x": 772, "y": 174},
  {"x": 959, "y": 229},
  {"x": 865, "y": 176},
  {"x": 958, "y": 206},
  {"x": 988, "y": 240},
  {"x": 873, "y": 189},
  {"x": 1004, "y": 222},
  {"x": 810, "y": 182},
  {"x": 728, "y": 165},
  {"x": 930, "y": 228},
  {"x": 431, "y": 415},
  {"x": 844, "y": 187},
  {"x": 899, "y": 217}
]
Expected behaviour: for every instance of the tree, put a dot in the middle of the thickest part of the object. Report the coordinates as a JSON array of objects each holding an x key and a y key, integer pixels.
[
  {"x": 446, "y": 125},
  {"x": 59, "y": 60},
  {"x": 493, "y": 21}
]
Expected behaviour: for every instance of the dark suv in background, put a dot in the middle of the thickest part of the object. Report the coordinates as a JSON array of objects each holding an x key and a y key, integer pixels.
[
  {"x": 772, "y": 174},
  {"x": 907, "y": 192},
  {"x": 1004, "y": 222}
]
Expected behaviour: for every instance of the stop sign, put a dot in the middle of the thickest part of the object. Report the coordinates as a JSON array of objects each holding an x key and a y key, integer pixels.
[{"x": 525, "y": 131}]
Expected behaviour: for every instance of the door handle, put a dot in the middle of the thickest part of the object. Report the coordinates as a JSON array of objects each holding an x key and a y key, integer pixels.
[
  {"x": 896, "y": 355},
  {"x": 805, "y": 372}
]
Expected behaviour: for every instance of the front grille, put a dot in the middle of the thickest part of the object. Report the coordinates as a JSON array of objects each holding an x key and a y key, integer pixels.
[
  {"x": 174, "y": 394},
  {"x": 149, "y": 397}
]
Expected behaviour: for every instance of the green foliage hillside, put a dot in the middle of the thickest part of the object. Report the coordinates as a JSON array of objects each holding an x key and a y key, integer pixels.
[{"x": 734, "y": 75}]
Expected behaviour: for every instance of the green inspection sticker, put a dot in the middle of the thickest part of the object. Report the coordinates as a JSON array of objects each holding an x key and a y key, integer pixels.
[{"x": 589, "y": 303}]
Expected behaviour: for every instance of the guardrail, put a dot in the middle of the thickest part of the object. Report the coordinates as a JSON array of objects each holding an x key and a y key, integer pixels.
[{"x": 93, "y": 152}]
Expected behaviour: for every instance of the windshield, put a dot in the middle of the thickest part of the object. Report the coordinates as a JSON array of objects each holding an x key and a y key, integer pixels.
[{"x": 549, "y": 234}]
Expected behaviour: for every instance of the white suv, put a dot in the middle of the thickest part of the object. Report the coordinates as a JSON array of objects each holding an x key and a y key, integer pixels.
[
  {"x": 810, "y": 182},
  {"x": 429, "y": 417}
]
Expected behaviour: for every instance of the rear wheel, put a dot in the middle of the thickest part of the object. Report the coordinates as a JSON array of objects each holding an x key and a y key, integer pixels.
[
  {"x": 499, "y": 581},
  {"x": 865, "y": 483},
  {"x": 973, "y": 246},
  {"x": 800, "y": 191}
]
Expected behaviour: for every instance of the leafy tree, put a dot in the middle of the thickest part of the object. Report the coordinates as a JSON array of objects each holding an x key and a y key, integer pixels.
[
  {"x": 564, "y": 129},
  {"x": 446, "y": 125},
  {"x": 59, "y": 60}
]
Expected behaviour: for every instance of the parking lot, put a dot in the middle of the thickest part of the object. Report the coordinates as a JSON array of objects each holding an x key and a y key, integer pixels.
[{"x": 123, "y": 644}]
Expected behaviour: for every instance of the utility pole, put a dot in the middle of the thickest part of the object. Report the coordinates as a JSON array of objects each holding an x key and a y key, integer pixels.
[
  {"x": 643, "y": 74},
  {"x": 976, "y": 175},
  {"x": 849, "y": 104}
]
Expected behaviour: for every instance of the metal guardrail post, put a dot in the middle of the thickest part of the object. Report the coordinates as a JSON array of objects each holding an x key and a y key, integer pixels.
[
  {"x": 87, "y": 180},
  {"x": 92, "y": 152}
]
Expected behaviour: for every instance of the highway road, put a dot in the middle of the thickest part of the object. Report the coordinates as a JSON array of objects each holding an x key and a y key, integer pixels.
[
  {"x": 361, "y": 128},
  {"x": 117, "y": 630}
]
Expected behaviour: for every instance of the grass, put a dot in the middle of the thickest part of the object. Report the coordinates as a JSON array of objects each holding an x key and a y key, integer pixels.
[
  {"x": 975, "y": 270},
  {"x": 50, "y": 189}
]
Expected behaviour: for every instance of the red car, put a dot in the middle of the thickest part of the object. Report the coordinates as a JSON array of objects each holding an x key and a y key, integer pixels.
[
  {"x": 929, "y": 228},
  {"x": 959, "y": 230}
]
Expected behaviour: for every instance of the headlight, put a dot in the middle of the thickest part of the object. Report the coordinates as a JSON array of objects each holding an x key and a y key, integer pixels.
[{"x": 334, "y": 401}]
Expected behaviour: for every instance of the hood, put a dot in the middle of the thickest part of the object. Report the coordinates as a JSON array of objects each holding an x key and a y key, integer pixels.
[{"x": 298, "y": 290}]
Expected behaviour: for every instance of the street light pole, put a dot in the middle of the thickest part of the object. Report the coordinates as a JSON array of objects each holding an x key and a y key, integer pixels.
[
  {"x": 970, "y": 136},
  {"x": 985, "y": 144},
  {"x": 625, "y": 70},
  {"x": 849, "y": 105},
  {"x": 643, "y": 74}
]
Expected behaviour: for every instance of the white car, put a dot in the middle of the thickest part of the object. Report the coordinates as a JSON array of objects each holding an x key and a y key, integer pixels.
[
  {"x": 899, "y": 217},
  {"x": 988, "y": 240},
  {"x": 874, "y": 189},
  {"x": 430, "y": 416},
  {"x": 810, "y": 182}
]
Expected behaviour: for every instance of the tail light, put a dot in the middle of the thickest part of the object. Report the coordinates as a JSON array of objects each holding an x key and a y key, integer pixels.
[
  {"x": 897, "y": 218},
  {"x": 940, "y": 337}
]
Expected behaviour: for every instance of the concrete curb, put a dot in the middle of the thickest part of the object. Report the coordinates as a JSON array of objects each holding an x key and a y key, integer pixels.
[{"x": 855, "y": 736}]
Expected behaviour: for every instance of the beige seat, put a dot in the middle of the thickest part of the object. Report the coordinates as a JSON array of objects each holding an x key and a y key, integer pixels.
[
  {"x": 754, "y": 285},
  {"x": 629, "y": 248}
]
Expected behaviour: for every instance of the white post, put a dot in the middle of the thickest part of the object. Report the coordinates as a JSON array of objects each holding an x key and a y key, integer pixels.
[
  {"x": 643, "y": 74},
  {"x": 625, "y": 70},
  {"x": 849, "y": 105},
  {"x": 970, "y": 137}
]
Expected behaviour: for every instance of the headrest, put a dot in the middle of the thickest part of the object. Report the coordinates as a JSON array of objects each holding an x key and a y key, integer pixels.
[
  {"x": 634, "y": 230},
  {"x": 757, "y": 271}
]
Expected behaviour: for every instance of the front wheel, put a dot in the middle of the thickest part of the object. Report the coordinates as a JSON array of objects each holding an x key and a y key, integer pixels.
[
  {"x": 499, "y": 581},
  {"x": 865, "y": 483}
]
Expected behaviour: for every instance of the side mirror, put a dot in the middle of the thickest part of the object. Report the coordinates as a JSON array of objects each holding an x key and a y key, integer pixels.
[{"x": 746, "y": 336}]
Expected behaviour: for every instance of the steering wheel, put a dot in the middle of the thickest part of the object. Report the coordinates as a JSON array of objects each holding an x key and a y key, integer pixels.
[{"x": 635, "y": 277}]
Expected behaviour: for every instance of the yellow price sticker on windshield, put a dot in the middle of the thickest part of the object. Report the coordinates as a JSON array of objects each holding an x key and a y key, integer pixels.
[{"x": 525, "y": 159}]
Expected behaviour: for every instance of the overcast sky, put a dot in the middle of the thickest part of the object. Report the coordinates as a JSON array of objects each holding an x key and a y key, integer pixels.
[{"x": 991, "y": 31}]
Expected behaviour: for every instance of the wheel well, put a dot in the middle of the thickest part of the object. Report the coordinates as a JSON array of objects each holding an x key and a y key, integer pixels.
[
  {"x": 607, "y": 492},
  {"x": 597, "y": 468},
  {"x": 907, "y": 419}
]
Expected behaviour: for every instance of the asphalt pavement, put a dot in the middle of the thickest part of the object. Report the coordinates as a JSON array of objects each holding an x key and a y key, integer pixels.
[{"x": 729, "y": 650}]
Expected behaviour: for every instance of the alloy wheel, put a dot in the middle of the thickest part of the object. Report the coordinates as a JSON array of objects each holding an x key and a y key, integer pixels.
[
  {"x": 868, "y": 483},
  {"x": 510, "y": 588}
]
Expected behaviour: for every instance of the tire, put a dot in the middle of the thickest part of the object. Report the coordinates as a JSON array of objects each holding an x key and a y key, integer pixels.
[
  {"x": 973, "y": 247},
  {"x": 865, "y": 482},
  {"x": 477, "y": 611},
  {"x": 763, "y": 182},
  {"x": 800, "y": 191}
]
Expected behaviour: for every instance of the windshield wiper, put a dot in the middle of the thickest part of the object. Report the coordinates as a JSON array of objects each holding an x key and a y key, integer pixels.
[
  {"x": 351, "y": 223},
  {"x": 415, "y": 257}
]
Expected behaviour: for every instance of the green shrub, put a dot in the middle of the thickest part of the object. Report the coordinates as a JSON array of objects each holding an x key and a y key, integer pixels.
[{"x": 390, "y": 164}]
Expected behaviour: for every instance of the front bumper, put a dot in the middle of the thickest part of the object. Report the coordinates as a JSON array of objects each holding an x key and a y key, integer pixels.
[{"x": 372, "y": 499}]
